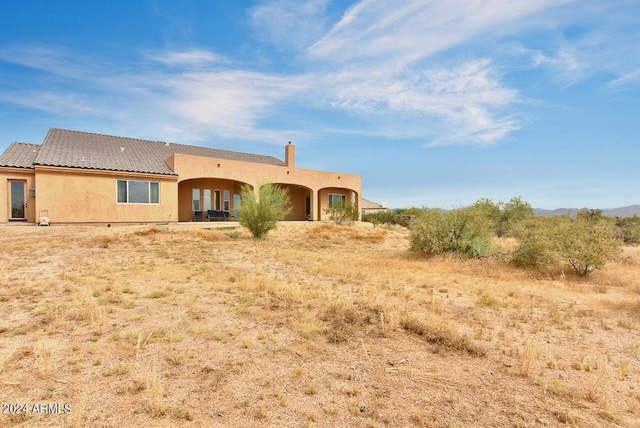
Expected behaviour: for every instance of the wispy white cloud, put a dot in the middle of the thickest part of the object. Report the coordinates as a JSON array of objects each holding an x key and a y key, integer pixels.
[
  {"x": 54, "y": 60},
  {"x": 196, "y": 100},
  {"x": 629, "y": 79},
  {"x": 566, "y": 64},
  {"x": 68, "y": 104},
  {"x": 289, "y": 23},
  {"x": 464, "y": 98},
  {"x": 193, "y": 58},
  {"x": 387, "y": 50},
  {"x": 415, "y": 29},
  {"x": 230, "y": 103}
]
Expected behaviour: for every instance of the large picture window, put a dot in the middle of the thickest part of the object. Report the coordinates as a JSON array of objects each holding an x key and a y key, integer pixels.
[
  {"x": 337, "y": 200},
  {"x": 138, "y": 192}
]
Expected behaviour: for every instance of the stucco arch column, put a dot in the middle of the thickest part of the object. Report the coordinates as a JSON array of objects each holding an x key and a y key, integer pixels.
[{"x": 315, "y": 204}]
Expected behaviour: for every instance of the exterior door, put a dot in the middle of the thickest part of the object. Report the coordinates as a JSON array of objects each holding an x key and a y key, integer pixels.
[{"x": 18, "y": 200}]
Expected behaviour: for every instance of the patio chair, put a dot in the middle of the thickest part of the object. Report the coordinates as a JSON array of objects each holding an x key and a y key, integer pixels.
[{"x": 198, "y": 216}]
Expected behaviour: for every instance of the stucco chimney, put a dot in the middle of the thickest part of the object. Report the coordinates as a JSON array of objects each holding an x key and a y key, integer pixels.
[{"x": 290, "y": 155}]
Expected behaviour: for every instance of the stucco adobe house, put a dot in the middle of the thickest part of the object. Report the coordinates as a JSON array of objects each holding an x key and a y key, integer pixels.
[{"x": 80, "y": 177}]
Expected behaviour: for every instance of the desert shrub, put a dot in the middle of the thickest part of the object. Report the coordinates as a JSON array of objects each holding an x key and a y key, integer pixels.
[
  {"x": 381, "y": 217},
  {"x": 627, "y": 229},
  {"x": 505, "y": 216},
  {"x": 464, "y": 231},
  {"x": 401, "y": 216},
  {"x": 343, "y": 213},
  {"x": 585, "y": 243},
  {"x": 409, "y": 211},
  {"x": 260, "y": 213},
  {"x": 536, "y": 249}
]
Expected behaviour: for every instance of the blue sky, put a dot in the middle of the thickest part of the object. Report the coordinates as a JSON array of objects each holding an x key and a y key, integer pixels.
[{"x": 434, "y": 102}]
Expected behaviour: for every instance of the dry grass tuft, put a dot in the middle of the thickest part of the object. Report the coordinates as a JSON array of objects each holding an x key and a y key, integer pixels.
[
  {"x": 213, "y": 235},
  {"x": 149, "y": 231},
  {"x": 434, "y": 331},
  {"x": 339, "y": 235},
  {"x": 347, "y": 320}
]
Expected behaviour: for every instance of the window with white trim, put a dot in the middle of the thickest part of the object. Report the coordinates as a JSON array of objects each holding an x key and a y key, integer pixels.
[
  {"x": 196, "y": 199},
  {"x": 138, "y": 192},
  {"x": 337, "y": 200},
  {"x": 207, "y": 199},
  {"x": 227, "y": 201}
]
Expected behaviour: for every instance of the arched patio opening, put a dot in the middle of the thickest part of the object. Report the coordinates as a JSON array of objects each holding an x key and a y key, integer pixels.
[
  {"x": 301, "y": 202},
  {"x": 199, "y": 195},
  {"x": 329, "y": 196}
]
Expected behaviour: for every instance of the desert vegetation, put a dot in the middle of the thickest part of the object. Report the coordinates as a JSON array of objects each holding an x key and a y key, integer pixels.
[
  {"x": 316, "y": 325},
  {"x": 343, "y": 213},
  {"x": 260, "y": 212},
  {"x": 585, "y": 242}
]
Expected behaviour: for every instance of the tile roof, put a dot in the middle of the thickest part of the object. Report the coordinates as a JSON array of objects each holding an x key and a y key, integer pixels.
[
  {"x": 19, "y": 155},
  {"x": 75, "y": 149},
  {"x": 370, "y": 205}
]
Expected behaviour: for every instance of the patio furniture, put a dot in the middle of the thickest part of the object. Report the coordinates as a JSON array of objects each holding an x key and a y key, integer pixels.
[
  {"x": 198, "y": 216},
  {"x": 217, "y": 215}
]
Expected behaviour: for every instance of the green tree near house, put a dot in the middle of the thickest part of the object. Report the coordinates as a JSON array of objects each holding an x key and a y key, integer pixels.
[{"x": 260, "y": 212}]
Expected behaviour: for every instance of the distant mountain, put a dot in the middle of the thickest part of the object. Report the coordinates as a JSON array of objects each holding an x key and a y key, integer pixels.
[{"x": 629, "y": 211}]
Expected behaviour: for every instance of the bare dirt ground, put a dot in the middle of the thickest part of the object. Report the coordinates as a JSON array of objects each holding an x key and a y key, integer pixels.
[{"x": 318, "y": 325}]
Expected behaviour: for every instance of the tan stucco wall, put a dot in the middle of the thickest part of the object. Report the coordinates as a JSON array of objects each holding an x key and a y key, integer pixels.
[
  {"x": 85, "y": 196},
  {"x": 194, "y": 167},
  {"x": 16, "y": 174}
]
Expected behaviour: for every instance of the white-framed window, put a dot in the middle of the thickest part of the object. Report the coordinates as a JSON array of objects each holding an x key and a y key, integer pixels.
[
  {"x": 337, "y": 200},
  {"x": 207, "y": 199},
  {"x": 227, "y": 201},
  {"x": 216, "y": 200},
  {"x": 138, "y": 192},
  {"x": 196, "y": 200}
]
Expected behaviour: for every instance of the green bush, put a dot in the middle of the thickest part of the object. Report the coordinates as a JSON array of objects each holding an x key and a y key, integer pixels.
[
  {"x": 465, "y": 231},
  {"x": 381, "y": 217},
  {"x": 260, "y": 213},
  {"x": 585, "y": 243},
  {"x": 505, "y": 215},
  {"x": 627, "y": 229},
  {"x": 536, "y": 249},
  {"x": 343, "y": 213}
]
